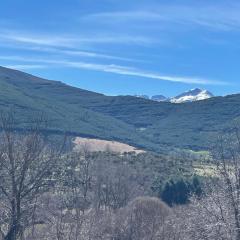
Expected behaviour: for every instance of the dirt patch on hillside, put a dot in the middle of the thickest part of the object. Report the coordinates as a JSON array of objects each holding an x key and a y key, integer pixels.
[{"x": 95, "y": 145}]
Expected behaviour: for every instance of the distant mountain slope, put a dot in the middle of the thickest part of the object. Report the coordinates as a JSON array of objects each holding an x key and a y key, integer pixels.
[
  {"x": 136, "y": 121},
  {"x": 159, "y": 98},
  {"x": 63, "y": 105}
]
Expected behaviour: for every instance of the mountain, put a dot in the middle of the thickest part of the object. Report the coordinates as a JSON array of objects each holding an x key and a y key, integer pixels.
[
  {"x": 159, "y": 98},
  {"x": 151, "y": 125},
  {"x": 142, "y": 96},
  {"x": 192, "y": 95},
  {"x": 63, "y": 105},
  {"x": 189, "y": 96}
]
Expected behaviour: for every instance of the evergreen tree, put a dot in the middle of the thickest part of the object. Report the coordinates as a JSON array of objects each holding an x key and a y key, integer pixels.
[
  {"x": 167, "y": 194},
  {"x": 196, "y": 186},
  {"x": 179, "y": 191}
]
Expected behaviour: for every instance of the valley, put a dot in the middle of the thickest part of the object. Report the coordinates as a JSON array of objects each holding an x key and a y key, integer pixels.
[
  {"x": 78, "y": 112},
  {"x": 119, "y": 120}
]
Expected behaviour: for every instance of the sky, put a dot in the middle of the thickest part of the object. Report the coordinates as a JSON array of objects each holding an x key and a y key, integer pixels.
[{"x": 125, "y": 47}]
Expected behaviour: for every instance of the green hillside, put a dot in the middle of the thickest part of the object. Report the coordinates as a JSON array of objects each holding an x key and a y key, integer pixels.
[
  {"x": 189, "y": 125},
  {"x": 136, "y": 121}
]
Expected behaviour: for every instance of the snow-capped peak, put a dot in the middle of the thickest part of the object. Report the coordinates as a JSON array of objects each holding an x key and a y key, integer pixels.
[{"x": 192, "y": 95}]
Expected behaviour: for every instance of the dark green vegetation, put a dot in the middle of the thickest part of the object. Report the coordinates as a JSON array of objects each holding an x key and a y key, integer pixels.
[
  {"x": 179, "y": 191},
  {"x": 139, "y": 122}
]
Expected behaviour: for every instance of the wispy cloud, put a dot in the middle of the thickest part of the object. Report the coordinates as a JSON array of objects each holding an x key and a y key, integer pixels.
[
  {"x": 25, "y": 67},
  {"x": 219, "y": 16},
  {"x": 63, "y": 46},
  {"x": 125, "y": 16},
  {"x": 72, "y": 41},
  {"x": 39, "y": 40},
  {"x": 81, "y": 53},
  {"x": 117, "y": 69}
]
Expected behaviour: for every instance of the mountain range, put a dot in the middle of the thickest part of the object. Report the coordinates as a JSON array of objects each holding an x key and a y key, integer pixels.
[
  {"x": 192, "y": 95},
  {"x": 150, "y": 125}
]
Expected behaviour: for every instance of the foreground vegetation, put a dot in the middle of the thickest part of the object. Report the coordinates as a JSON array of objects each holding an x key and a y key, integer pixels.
[{"x": 51, "y": 191}]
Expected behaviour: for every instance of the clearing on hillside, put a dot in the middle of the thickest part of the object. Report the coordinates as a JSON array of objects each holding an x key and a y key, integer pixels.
[{"x": 96, "y": 145}]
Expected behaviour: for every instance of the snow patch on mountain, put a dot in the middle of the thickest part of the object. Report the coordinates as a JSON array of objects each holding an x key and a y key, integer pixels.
[{"x": 192, "y": 96}]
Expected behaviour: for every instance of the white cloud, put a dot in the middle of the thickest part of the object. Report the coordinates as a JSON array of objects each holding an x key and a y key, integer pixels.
[
  {"x": 71, "y": 52},
  {"x": 39, "y": 40},
  {"x": 219, "y": 16},
  {"x": 126, "y": 16},
  {"x": 57, "y": 40},
  {"x": 117, "y": 69},
  {"x": 80, "y": 53},
  {"x": 122, "y": 70},
  {"x": 66, "y": 46}
]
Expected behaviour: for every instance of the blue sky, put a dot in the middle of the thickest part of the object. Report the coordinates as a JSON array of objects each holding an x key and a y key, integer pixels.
[{"x": 125, "y": 47}]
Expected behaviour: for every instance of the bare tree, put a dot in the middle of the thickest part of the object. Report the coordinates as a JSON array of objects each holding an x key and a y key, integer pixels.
[
  {"x": 115, "y": 184},
  {"x": 75, "y": 191},
  {"x": 226, "y": 189},
  {"x": 217, "y": 214},
  {"x": 144, "y": 218},
  {"x": 26, "y": 172}
]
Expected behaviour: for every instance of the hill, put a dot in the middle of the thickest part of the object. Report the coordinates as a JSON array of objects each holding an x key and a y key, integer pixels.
[
  {"x": 139, "y": 122},
  {"x": 64, "y": 106}
]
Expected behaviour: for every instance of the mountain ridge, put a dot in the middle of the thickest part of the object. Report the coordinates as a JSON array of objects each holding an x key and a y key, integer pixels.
[{"x": 150, "y": 125}]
